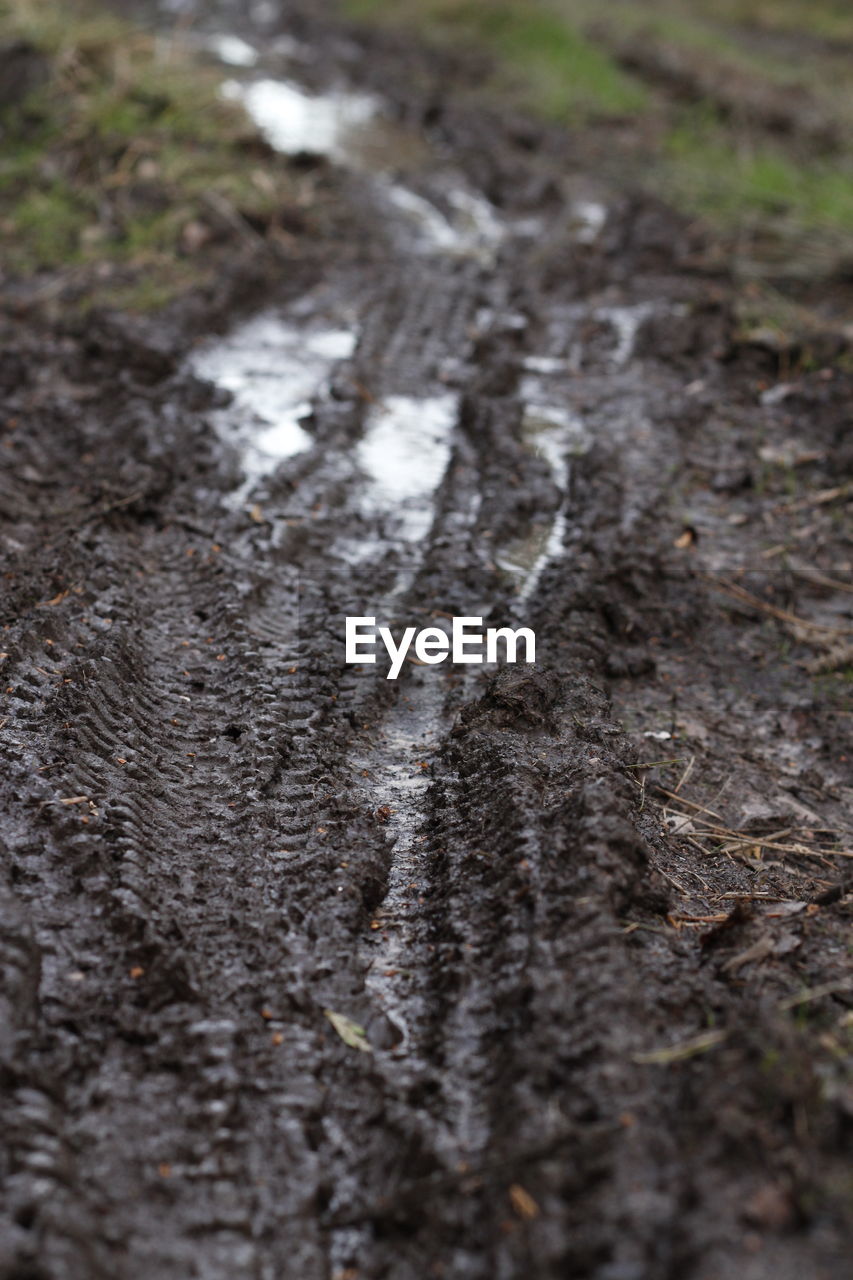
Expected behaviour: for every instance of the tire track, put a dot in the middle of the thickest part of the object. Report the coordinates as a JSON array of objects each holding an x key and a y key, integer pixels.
[{"x": 179, "y": 927}]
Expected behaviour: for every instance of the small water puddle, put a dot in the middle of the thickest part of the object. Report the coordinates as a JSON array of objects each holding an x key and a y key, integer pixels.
[
  {"x": 232, "y": 50},
  {"x": 296, "y": 122},
  {"x": 546, "y": 365},
  {"x": 588, "y": 219},
  {"x": 625, "y": 322},
  {"x": 400, "y": 778},
  {"x": 273, "y": 370},
  {"x": 403, "y": 455},
  {"x": 352, "y": 129},
  {"x": 556, "y": 434},
  {"x": 470, "y": 228}
]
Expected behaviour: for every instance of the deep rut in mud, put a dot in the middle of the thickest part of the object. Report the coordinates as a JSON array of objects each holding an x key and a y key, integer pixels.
[{"x": 216, "y": 833}]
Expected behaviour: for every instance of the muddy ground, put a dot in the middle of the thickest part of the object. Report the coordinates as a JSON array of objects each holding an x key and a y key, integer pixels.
[{"x": 591, "y": 1013}]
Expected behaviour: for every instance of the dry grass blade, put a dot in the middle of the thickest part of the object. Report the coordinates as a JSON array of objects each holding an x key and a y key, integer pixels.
[
  {"x": 652, "y": 764},
  {"x": 708, "y": 1040},
  {"x": 824, "y": 581},
  {"x": 691, "y": 804},
  {"x": 735, "y": 840},
  {"x": 818, "y": 632},
  {"x": 819, "y": 499},
  {"x": 731, "y": 840},
  {"x": 683, "y": 1050},
  {"x": 817, "y": 993}
]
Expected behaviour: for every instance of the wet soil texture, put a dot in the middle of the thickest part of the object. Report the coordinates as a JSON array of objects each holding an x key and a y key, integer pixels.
[{"x": 484, "y": 973}]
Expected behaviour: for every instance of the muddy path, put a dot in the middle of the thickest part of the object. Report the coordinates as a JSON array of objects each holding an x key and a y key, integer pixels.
[{"x": 498, "y": 392}]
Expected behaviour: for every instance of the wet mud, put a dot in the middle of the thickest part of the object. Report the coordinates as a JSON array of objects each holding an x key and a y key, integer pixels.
[{"x": 484, "y": 972}]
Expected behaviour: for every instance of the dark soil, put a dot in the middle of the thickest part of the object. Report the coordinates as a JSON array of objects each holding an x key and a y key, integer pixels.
[{"x": 607, "y": 1029}]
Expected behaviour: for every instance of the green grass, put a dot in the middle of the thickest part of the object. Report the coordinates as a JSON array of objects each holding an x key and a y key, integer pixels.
[
  {"x": 830, "y": 20},
  {"x": 561, "y": 73},
  {"x": 690, "y": 33},
  {"x": 120, "y": 150},
  {"x": 112, "y": 157},
  {"x": 733, "y": 173},
  {"x": 737, "y": 175},
  {"x": 736, "y": 179}
]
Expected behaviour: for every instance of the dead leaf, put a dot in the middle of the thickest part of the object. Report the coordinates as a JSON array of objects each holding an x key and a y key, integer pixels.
[
  {"x": 57, "y": 599},
  {"x": 350, "y": 1032},
  {"x": 523, "y": 1203}
]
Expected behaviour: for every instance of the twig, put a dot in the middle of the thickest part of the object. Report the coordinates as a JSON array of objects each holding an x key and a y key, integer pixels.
[
  {"x": 672, "y": 880},
  {"x": 819, "y": 499},
  {"x": 765, "y": 842},
  {"x": 691, "y": 804},
  {"x": 685, "y": 1049},
  {"x": 687, "y": 772},
  {"x": 803, "y": 626},
  {"x": 817, "y": 993},
  {"x": 816, "y": 576},
  {"x": 711, "y": 1039}
]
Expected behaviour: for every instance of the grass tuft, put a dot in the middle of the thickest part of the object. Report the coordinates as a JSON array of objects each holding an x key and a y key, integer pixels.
[
  {"x": 560, "y": 72},
  {"x": 718, "y": 151},
  {"x": 116, "y": 149}
]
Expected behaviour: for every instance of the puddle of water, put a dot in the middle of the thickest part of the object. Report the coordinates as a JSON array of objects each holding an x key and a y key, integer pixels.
[
  {"x": 477, "y": 216},
  {"x": 403, "y": 455},
  {"x": 295, "y": 121},
  {"x": 348, "y": 127},
  {"x": 548, "y": 427},
  {"x": 399, "y": 781},
  {"x": 588, "y": 219},
  {"x": 545, "y": 364},
  {"x": 552, "y": 550},
  {"x": 625, "y": 321},
  {"x": 472, "y": 230},
  {"x": 555, "y": 433},
  {"x": 233, "y": 50},
  {"x": 552, "y": 431},
  {"x": 273, "y": 370},
  {"x": 435, "y": 230}
]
